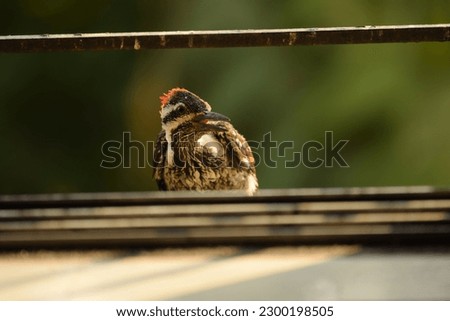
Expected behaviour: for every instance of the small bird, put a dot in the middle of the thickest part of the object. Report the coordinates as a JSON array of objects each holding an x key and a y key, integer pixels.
[{"x": 198, "y": 149}]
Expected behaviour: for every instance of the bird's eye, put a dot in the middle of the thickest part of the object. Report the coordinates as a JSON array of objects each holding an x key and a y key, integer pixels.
[{"x": 181, "y": 108}]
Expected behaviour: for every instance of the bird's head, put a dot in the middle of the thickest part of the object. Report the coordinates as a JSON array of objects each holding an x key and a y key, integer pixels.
[{"x": 179, "y": 105}]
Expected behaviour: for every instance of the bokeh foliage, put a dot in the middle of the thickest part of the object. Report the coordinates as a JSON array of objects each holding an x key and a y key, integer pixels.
[{"x": 392, "y": 101}]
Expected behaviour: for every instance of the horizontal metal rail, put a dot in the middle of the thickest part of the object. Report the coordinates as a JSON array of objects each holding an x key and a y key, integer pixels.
[
  {"x": 225, "y": 38},
  {"x": 363, "y": 215},
  {"x": 267, "y": 196}
]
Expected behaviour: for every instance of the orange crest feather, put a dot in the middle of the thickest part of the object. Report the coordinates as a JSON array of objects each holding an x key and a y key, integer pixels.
[{"x": 164, "y": 98}]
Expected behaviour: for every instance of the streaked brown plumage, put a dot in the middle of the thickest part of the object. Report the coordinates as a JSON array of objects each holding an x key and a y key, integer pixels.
[{"x": 200, "y": 150}]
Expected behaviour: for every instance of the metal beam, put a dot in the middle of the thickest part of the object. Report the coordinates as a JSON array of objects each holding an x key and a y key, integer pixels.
[
  {"x": 362, "y": 215},
  {"x": 225, "y": 38}
]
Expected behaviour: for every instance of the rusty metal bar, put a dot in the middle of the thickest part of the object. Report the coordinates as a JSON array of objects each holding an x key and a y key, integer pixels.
[{"x": 225, "y": 38}]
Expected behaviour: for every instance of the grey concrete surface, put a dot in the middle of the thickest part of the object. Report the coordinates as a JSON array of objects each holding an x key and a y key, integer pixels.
[
  {"x": 229, "y": 273},
  {"x": 372, "y": 274}
]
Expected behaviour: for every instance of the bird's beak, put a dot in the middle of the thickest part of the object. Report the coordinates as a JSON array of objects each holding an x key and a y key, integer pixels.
[
  {"x": 211, "y": 117},
  {"x": 211, "y": 121}
]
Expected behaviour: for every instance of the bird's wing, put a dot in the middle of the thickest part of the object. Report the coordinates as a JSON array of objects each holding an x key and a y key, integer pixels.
[
  {"x": 159, "y": 160},
  {"x": 238, "y": 153},
  {"x": 238, "y": 150}
]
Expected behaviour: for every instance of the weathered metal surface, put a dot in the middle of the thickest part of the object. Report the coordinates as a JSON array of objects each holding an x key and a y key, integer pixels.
[{"x": 225, "y": 38}]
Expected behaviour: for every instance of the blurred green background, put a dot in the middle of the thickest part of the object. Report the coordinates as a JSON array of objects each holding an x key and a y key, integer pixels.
[{"x": 391, "y": 101}]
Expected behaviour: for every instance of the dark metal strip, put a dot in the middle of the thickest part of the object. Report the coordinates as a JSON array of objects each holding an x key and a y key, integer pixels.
[{"x": 225, "y": 38}]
